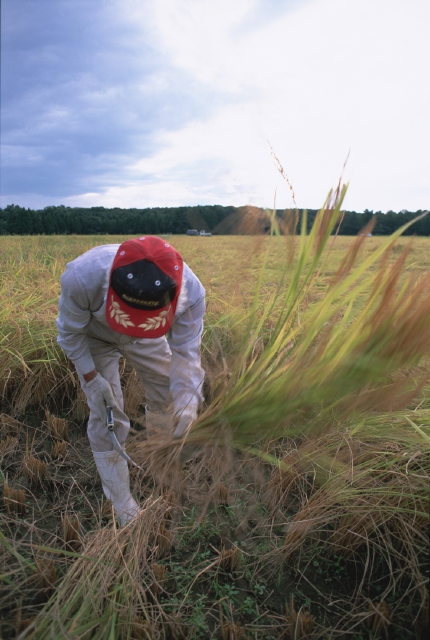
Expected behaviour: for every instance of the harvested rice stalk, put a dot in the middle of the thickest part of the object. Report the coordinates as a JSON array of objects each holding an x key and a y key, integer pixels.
[
  {"x": 284, "y": 480},
  {"x": 14, "y": 500},
  {"x": 221, "y": 494},
  {"x": 300, "y": 623},
  {"x": 379, "y": 619},
  {"x": 230, "y": 559},
  {"x": 57, "y": 427},
  {"x": 170, "y": 498},
  {"x": 163, "y": 541},
  {"x": 35, "y": 470},
  {"x": 22, "y": 623},
  {"x": 141, "y": 629},
  {"x": 160, "y": 575},
  {"x": 71, "y": 533},
  {"x": 422, "y": 623},
  {"x": 7, "y": 446},
  {"x": 58, "y": 449},
  {"x": 9, "y": 426},
  {"x": 46, "y": 578},
  {"x": 231, "y": 631},
  {"x": 175, "y": 627},
  {"x": 107, "y": 510}
]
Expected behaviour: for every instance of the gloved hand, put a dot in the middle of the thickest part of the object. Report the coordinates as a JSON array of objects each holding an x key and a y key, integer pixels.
[
  {"x": 185, "y": 421},
  {"x": 188, "y": 451},
  {"x": 100, "y": 394}
]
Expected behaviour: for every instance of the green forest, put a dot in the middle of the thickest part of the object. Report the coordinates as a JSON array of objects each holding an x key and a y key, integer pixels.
[{"x": 61, "y": 220}]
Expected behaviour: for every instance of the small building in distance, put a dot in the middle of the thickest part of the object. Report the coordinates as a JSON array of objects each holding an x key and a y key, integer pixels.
[{"x": 194, "y": 232}]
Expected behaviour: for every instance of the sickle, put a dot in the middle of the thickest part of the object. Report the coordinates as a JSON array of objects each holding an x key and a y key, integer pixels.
[{"x": 114, "y": 440}]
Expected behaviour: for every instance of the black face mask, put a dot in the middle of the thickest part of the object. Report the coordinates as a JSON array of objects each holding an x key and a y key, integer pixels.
[{"x": 143, "y": 285}]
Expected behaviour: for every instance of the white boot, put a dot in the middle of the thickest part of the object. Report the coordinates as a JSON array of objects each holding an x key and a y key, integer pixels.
[
  {"x": 115, "y": 477},
  {"x": 158, "y": 423}
]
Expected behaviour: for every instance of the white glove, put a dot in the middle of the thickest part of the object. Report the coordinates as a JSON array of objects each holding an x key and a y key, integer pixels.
[
  {"x": 100, "y": 394},
  {"x": 185, "y": 421}
]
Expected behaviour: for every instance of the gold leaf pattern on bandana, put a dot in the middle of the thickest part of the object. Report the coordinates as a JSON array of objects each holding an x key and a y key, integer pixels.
[
  {"x": 155, "y": 323},
  {"x": 119, "y": 315}
]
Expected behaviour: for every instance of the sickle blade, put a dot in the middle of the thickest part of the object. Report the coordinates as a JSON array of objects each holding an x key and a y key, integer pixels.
[{"x": 114, "y": 440}]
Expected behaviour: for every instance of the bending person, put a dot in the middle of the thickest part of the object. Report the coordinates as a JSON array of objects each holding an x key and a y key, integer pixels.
[{"x": 141, "y": 301}]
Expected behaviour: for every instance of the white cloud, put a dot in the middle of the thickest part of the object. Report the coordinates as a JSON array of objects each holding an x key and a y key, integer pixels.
[
  {"x": 329, "y": 77},
  {"x": 199, "y": 36},
  {"x": 317, "y": 79}
]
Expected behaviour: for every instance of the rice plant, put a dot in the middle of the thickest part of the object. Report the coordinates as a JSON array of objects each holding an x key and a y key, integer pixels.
[
  {"x": 299, "y": 364},
  {"x": 312, "y": 464}
]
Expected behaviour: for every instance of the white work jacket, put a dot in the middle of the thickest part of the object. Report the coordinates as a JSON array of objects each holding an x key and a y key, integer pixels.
[{"x": 82, "y": 309}]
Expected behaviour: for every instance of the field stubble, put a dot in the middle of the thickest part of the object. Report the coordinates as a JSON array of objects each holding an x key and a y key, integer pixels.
[{"x": 315, "y": 532}]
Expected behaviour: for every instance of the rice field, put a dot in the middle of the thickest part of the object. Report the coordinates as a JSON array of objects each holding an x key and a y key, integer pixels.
[{"x": 306, "y": 512}]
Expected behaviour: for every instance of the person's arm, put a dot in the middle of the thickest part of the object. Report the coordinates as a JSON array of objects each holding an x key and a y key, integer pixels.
[
  {"x": 74, "y": 316},
  {"x": 186, "y": 373}
]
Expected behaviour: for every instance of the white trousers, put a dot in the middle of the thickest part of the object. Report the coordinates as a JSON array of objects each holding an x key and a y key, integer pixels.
[{"x": 151, "y": 361}]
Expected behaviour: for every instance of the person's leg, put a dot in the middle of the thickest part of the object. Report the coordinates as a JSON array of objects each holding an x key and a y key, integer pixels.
[
  {"x": 151, "y": 361},
  {"x": 112, "y": 468},
  {"x": 115, "y": 477},
  {"x": 106, "y": 359}
]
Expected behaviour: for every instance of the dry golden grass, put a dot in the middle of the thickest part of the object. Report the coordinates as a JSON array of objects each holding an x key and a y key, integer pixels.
[
  {"x": 356, "y": 488},
  {"x": 360, "y": 498},
  {"x": 104, "y": 586}
]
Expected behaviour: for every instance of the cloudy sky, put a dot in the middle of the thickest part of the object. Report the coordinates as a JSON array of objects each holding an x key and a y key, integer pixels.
[{"x": 139, "y": 103}]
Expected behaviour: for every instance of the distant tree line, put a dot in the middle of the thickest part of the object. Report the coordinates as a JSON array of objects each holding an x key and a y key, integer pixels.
[
  {"x": 353, "y": 223},
  {"x": 99, "y": 220},
  {"x": 61, "y": 220}
]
